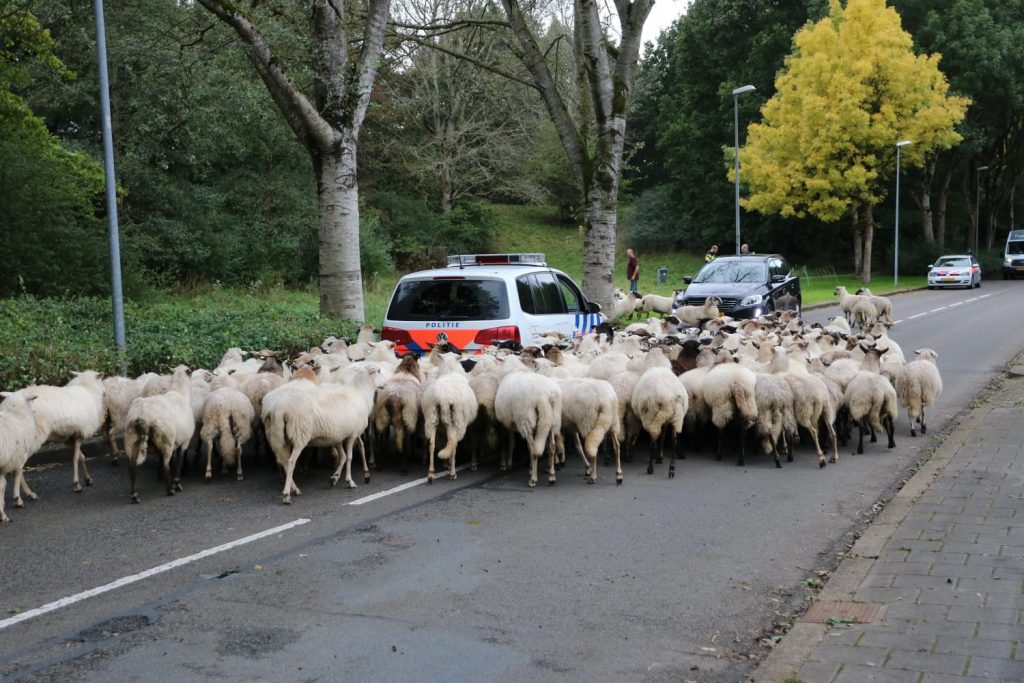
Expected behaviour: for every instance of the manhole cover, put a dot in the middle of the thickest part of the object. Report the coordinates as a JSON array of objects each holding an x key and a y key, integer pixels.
[{"x": 824, "y": 611}]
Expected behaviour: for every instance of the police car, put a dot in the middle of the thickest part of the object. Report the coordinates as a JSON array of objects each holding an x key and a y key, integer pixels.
[{"x": 481, "y": 299}]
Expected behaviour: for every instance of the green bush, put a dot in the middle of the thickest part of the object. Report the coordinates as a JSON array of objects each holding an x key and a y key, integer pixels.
[
  {"x": 421, "y": 238},
  {"x": 43, "y": 340}
]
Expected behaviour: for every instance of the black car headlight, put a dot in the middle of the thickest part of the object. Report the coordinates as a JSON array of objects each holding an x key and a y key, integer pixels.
[{"x": 752, "y": 300}]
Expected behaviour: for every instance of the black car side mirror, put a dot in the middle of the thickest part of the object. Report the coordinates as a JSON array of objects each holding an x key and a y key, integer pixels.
[
  {"x": 687, "y": 279},
  {"x": 778, "y": 278},
  {"x": 593, "y": 307}
]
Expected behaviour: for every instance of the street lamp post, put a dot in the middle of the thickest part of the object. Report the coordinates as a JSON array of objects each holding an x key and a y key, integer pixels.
[
  {"x": 977, "y": 207},
  {"x": 736, "y": 129},
  {"x": 896, "y": 240}
]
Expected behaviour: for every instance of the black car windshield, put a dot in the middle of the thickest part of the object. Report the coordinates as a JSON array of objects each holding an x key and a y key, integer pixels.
[
  {"x": 951, "y": 262},
  {"x": 721, "y": 272},
  {"x": 1015, "y": 248},
  {"x": 454, "y": 298}
]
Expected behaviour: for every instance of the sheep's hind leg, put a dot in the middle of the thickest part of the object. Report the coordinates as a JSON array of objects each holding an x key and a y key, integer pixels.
[
  {"x": 209, "y": 460},
  {"x": 21, "y": 486},
  {"x": 924, "y": 427},
  {"x": 431, "y": 436},
  {"x": 586, "y": 460},
  {"x": 362, "y": 455},
  {"x": 182, "y": 454},
  {"x": 3, "y": 495},
  {"x": 672, "y": 453},
  {"x": 653, "y": 452},
  {"x": 76, "y": 459},
  {"x": 289, "y": 471},
  {"x": 890, "y": 430},
  {"x": 618, "y": 459}
]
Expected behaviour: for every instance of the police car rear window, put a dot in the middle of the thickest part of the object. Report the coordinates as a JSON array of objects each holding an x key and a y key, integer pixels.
[{"x": 449, "y": 300}]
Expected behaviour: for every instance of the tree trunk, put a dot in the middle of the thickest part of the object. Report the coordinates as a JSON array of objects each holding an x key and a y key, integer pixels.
[
  {"x": 858, "y": 240},
  {"x": 341, "y": 291},
  {"x": 599, "y": 244},
  {"x": 868, "y": 236},
  {"x": 940, "y": 210},
  {"x": 924, "y": 203}
]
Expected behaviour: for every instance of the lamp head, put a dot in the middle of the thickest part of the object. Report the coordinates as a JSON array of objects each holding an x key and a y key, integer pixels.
[
  {"x": 904, "y": 143},
  {"x": 743, "y": 89}
]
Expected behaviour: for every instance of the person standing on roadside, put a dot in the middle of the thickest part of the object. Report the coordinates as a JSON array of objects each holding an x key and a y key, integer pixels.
[
  {"x": 712, "y": 254},
  {"x": 632, "y": 270},
  {"x": 744, "y": 249}
]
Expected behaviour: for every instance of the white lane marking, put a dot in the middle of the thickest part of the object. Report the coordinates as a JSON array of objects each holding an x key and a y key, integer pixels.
[
  {"x": 402, "y": 487},
  {"x": 940, "y": 308},
  {"x": 896, "y": 322},
  {"x": 973, "y": 298},
  {"x": 956, "y": 304},
  {"x": 916, "y": 316},
  {"x": 78, "y": 597}
]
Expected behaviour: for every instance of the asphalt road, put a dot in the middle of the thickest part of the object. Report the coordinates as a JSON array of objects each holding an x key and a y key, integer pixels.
[{"x": 478, "y": 579}]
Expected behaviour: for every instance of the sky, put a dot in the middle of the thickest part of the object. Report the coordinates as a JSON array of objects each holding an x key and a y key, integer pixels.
[{"x": 661, "y": 17}]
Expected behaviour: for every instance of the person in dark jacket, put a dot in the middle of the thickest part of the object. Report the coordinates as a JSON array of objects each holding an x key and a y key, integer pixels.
[{"x": 632, "y": 270}]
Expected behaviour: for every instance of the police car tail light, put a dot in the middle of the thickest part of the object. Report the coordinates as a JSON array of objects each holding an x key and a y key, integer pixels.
[
  {"x": 399, "y": 337},
  {"x": 496, "y": 334}
]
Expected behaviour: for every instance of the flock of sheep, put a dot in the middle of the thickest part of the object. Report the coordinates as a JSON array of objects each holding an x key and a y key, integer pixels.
[{"x": 775, "y": 380}]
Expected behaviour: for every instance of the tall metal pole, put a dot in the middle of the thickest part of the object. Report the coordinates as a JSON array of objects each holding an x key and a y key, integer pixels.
[
  {"x": 111, "y": 185},
  {"x": 896, "y": 238},
  {"x": 736, "y": 131},
  {"x": 977, "y": 207}
]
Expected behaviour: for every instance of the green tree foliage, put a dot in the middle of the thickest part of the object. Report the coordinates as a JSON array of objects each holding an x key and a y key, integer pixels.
[
  {"x": 683, "y": 114},
  {"x": 50, "y": 237},
  {"x": 981, "y": 45},
  {"x": 852, "y": 88},
  {"x": 212, "y": 187}
]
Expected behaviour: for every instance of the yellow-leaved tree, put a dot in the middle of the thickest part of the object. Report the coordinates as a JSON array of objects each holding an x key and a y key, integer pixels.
[{"x": 851, "y": 89}]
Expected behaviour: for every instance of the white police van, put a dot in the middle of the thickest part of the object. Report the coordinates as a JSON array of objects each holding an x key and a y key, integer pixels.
[{"x": 480, "y": 299}]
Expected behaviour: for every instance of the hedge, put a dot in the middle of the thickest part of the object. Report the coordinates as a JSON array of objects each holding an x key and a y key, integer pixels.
[{"x": 42, "y": 340}]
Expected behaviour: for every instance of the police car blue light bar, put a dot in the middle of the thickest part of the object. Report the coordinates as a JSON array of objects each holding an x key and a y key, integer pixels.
[{"x": 461, "y": 260}]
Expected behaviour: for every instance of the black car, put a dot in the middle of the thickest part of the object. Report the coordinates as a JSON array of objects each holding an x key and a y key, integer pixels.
[{"x": 748, "y": 286}]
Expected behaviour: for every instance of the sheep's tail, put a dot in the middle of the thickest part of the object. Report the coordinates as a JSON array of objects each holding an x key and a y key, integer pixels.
[
  {"x": 746, "y": 405},
  {"x": 142, "y": 431}
]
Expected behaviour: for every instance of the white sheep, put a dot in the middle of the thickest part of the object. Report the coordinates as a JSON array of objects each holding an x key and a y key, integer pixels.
[
  {"x": 917, "y": 387},
  {"x": 812, "y": 406},
  {"x": 303, "y": 413},
  {"x": 883, "y": 306},
  {"x": 71, "y": 413},
  {"x": 693, "y": 315},
  {"x": 530, "y": 405},
  {"x": 17, "y": 437},
  {"x": 871, "y": 400},
  {"x": 118, "y": 394},
  {"x": 653, "y": 303},
  {"x": 775, "y": 419},
  {"x": 847, "y": 302},
  {"x": 660, "y": 401},
  {"x": 397, "y": 407},
  {"x": 448, "y": 401},
  {"x": 624, "y": 306},
  {"x": 729, "y": 391},
  {"x": 227, "y": 418},
  {"x": 590, "y": 407},
  {"x": 166, "y": 423},
  {"x": 863, "y": 313}
]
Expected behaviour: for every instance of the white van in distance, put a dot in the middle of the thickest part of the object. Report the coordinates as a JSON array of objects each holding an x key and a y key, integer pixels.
[{"x": 1013, "y": 255}]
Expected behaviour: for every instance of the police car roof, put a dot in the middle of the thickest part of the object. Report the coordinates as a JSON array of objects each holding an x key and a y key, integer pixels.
[{"x": 469, "y": 272}]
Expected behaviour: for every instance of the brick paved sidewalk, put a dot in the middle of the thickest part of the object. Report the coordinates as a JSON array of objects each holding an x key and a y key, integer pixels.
[{"x": 942, "y": 567}]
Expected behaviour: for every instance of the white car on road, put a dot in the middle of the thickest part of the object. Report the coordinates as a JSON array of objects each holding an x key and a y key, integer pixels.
[
  {"x": 481, "y": 299},
  {"x": 956, "y": 270}
]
